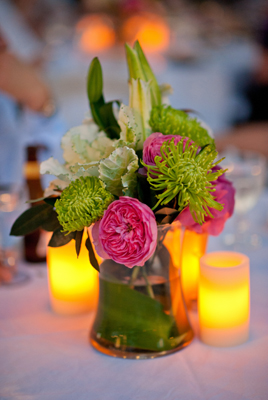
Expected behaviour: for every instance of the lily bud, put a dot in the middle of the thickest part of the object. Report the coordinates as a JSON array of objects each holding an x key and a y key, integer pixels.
[
  {"x": 139, "y": 68},
  {"x": 140, "y": 102}
]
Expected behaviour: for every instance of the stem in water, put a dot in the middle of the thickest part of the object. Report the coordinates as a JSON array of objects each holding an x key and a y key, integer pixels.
[
  {"x": 148, "y": 285},
  {"x": 134, "y": 275}
]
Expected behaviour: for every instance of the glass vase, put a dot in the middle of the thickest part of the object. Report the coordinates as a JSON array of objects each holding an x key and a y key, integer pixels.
[{"x": 141, "y": 311}]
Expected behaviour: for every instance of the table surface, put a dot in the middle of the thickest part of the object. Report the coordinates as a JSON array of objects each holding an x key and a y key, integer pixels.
[{"x": 47, "y": 356}]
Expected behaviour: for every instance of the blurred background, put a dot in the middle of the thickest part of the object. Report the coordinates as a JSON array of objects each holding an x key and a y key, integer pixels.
[{"x": 213, "y": 53}]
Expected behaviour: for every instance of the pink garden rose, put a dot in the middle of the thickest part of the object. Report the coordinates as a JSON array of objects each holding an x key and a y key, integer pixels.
[
  {"x": 153, "y": 143},
  {"x": 213, "y": 226},
  {"x": 127, "y": 232}
]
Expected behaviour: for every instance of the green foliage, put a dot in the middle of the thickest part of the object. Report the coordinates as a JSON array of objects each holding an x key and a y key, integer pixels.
[
  {"x": 102, "y": 112},
  {"x": 52, "y": 222},
  {"x": 92, "y": 258},
  {"x": 32, "y": 219},
  {"x": 142, "y": 327},
  {"x": 78, "y": 241},
  {"x": 139, "y": 68},
  {"x": 146, "y": 194},
  {"x": 60, "y": 238},
  {"x": 170, "y": 121}
]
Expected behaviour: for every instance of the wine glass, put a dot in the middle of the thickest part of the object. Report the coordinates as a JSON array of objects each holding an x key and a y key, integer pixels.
[
  {"x": 247, "y": 171},
  {"x": 12, "y": 200}
]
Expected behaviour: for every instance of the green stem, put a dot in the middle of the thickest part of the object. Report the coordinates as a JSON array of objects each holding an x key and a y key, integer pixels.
[
  {"x": 134, "y": 275},
  {"x": 148, "y": 285}
]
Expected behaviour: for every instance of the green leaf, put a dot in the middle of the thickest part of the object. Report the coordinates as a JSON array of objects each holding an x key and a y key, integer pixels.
[
  {"x": 92, "y": 258},
  {"x": 102, "y": 113},
  {"x": 141, "y": 104},
  {"x": 134, "y": 67},
  {"x": 35, "y": 200},
  {"x": 139, "y": 154},
  {"x": 31, "y": 219},
  {"x": 78, "y": 241},
  {"x": 147, "y": 326},
  {"x": 51, "y": 200},
  {"x": 95, "y": 111},
  {"x": 110, "y": 124},
  {"x": 94, "y": 81},
  {"x": 52, "y": 222},
  {"x": 94, "y": 90},
  {"x": 149, "y": 75},
  {"x": 145, "y": 193},
  {"x": 60, "y": 238}
]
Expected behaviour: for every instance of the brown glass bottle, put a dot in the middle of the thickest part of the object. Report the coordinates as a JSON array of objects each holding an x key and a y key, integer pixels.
[{"x": 34, "y": 243}]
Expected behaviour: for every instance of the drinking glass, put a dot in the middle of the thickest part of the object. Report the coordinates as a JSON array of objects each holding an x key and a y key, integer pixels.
[
  {"x": 12, "y": 203},
  {"x": 247, "y": 171}
]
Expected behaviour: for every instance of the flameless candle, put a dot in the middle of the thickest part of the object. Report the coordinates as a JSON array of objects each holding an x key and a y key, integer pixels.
[
  {"x": 224, "y": 299},
  {"x": 73, "y": 282},
  {"x": 150, "y": 30},
  {"x": 193, "y": 248},
  {"x": 97, "y": 33}
]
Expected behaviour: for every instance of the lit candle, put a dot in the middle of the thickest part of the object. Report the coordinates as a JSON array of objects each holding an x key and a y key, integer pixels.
[
  {"x": 149, "y": 29},
  {"x": 224, "y": 299},
  {"x": 193, "y": 248},
  {"x": 73, "y": 282},
  {"x": 97, "y": 33}
]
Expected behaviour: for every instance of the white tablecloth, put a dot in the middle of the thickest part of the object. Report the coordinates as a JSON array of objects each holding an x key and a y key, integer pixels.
[{"x": 46, "y": 356}]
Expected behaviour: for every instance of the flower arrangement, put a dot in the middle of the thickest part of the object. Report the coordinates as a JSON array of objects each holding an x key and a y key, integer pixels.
[
  {"x": 130, "y": 172},
  {"x": 128, "y": 169}
]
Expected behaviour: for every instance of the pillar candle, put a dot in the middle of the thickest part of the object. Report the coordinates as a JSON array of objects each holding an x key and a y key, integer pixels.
[
  {"x": 73, "y": 282},
  {"x": 224, "y": 299}
]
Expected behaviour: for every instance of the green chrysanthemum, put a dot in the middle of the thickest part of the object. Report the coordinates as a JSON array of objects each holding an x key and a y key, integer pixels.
[
  {"x": 185, "y": 175},
  {"x": 82, "y": 203},
  {"x": 170, "y": 121}
]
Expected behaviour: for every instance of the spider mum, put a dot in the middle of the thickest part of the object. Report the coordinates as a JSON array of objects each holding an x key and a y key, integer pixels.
[
  {"x": 82, "y": 203},
  {"x": 186, "y": 176}
]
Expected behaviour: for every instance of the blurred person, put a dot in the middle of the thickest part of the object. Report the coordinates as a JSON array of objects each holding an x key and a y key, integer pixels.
[
  {"x": 27, "y": 115},
  {"x": 249, "y": 137},
  {"x": 18, "y": 34},
  {"x": 21, "y": 82},
  {"x": 257, "y": 91},
  {"x": 252, "y": 133}
]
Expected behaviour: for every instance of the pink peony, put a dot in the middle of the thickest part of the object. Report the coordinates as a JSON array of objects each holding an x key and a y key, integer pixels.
[
  {"x": 153, "y": 143},
  {"x": 224, "y": 194},
  {"x": 127, "y": 232}
]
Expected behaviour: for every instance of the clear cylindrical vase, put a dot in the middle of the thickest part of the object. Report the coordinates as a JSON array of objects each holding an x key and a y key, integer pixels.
[{"x": 141, "y": 311}]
